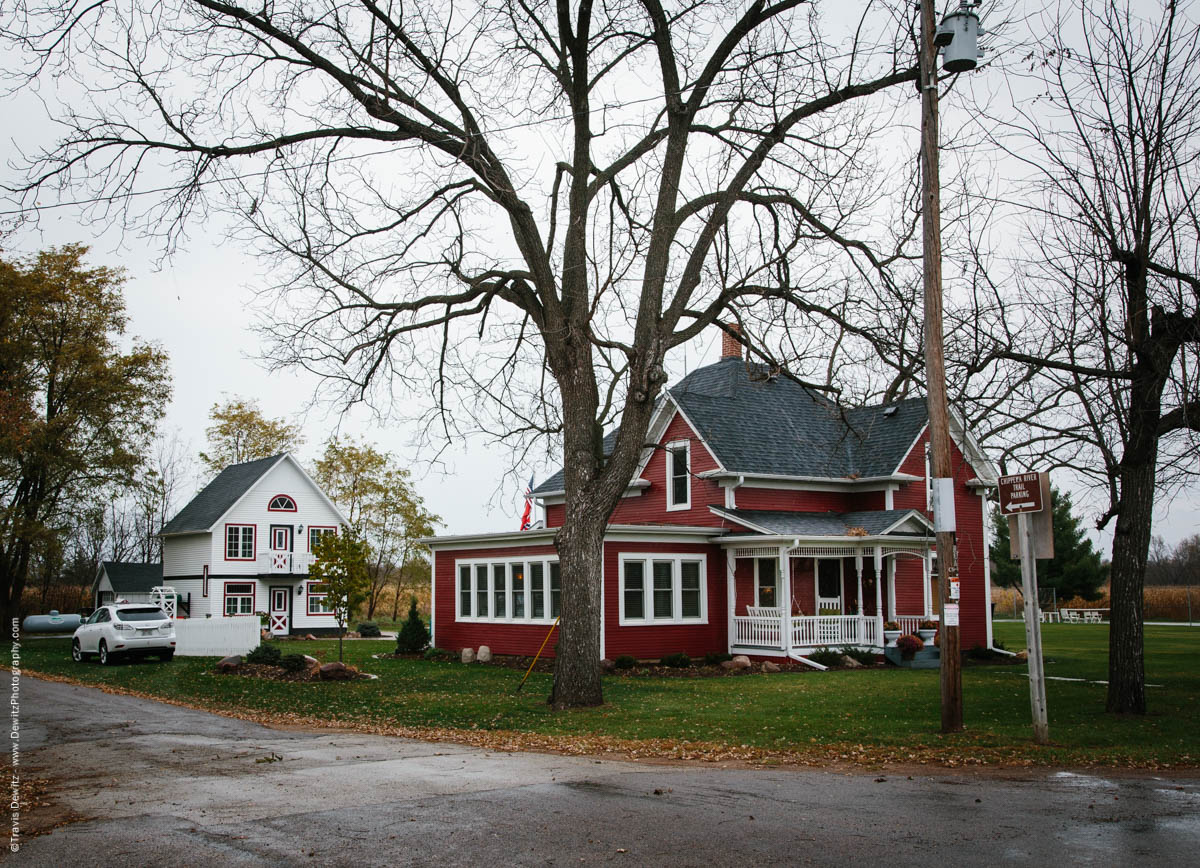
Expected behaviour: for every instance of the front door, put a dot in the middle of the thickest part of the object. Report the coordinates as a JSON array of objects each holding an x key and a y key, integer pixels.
[
  {"x": 281, "y": 607},
  {"x": 829, "y": 586}
]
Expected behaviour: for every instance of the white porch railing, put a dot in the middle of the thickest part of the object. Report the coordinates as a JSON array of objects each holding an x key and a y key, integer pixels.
[
  {"x": 816, "y": 631},
  {"x": 808, "y": 631},
  {"x": 283, "y": 562},
  {"x": 756, "y": 631},
  {"x": 911, "y": 623}
]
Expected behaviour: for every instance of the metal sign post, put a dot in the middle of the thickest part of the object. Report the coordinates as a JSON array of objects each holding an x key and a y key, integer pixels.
[{"x": 1022, "y": 495}]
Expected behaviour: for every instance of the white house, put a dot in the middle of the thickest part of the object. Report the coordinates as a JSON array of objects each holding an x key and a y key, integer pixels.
[{"x": 243, "y": 545}]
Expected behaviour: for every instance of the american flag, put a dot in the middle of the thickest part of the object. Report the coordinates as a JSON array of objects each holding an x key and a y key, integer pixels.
[{"x": 527, "y": 516}]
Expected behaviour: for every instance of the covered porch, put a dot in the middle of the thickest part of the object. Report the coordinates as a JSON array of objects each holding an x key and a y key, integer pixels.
[{"x": 788, "y": 596}]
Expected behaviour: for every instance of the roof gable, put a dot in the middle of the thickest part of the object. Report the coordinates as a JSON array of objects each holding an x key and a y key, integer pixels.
[
  {"x": 127, "y": 577},
  {"x": 218, "y": 497}
]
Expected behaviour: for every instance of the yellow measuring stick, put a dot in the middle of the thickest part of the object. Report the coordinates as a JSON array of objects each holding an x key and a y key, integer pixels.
[{"x": 539, "y": 654}]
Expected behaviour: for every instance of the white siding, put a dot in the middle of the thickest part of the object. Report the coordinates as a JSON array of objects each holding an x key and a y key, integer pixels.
[
  {"x": 183, "y": 587},
  {"x": 311, "y": 510},
  {"x": 186, "y": 555}
]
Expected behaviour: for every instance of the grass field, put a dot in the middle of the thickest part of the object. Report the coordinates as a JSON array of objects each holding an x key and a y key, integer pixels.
[{"x": 871, "y": 715}]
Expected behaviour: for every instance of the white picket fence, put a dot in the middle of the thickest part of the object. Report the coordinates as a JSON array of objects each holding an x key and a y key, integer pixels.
[{"x": 216, "y": 637}]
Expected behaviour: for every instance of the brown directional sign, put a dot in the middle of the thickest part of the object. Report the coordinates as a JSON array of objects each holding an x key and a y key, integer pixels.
[{"x": 1021, "y": 492}]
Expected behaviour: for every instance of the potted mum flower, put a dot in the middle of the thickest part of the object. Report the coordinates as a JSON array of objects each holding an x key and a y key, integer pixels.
[
  {"x": 891, "y": 632},
  {"x": 909, "y": 645}
]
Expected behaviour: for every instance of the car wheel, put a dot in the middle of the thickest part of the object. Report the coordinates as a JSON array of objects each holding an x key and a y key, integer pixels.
[
  {"x": 105, "y": 657},
  {"x": 77, "y": 652}
]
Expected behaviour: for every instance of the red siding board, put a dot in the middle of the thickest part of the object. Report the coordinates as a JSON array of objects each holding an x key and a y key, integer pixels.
[
  {"x": 650, "y": 506},
  {"x": 653, "y": 641}
]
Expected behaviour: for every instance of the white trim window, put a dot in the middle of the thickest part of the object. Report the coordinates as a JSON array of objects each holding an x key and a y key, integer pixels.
[
  {"x": 766, "y": 582},
  {"x": 239, "y": 598},
  {"x": 508, "y": 590},
  {"x": 663, "y": 589},
  {"x": 679, "y": 478}
]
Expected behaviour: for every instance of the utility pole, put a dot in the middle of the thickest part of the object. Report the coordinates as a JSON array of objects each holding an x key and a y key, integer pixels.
[{"x": 935, "y": 377}]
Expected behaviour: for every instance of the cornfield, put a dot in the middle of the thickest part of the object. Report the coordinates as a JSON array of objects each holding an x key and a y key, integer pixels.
[{"x": 1162, "y": 603}]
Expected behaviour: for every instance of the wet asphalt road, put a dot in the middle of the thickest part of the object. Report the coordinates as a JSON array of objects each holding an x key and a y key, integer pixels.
[{"x": 167, "y": 786}]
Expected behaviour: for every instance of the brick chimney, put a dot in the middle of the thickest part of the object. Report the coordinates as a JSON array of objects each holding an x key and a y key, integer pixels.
[{"x": 730, "y": 348}]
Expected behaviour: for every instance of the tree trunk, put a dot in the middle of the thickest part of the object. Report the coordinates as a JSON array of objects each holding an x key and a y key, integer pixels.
[
  {"x": 1131, "y": 545},
  {"x": 580, "y": 545}
]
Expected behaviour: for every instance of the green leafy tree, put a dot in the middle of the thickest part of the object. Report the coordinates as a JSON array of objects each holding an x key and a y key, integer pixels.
[
  {"x": 413, "y": 635},
  {"x": 77, "y": 410},
  {"x": 240, "y": 432},
  {"x": 384, "y": 511},
  {"x": 340, "y": 563},
  {"x": 1075, "y": 571}
]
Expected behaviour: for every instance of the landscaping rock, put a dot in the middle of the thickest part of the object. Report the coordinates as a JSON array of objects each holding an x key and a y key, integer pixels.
[
  {"x": 727, "y": 665},
  {"x": 264, "y": 635},
  {"x": 607, "y": 665},
  {"x": 849, "y": 662},
  {"x": 468, "y": 655},
  {"x": 772, "y": 667},
  {"x": 312, "y": 661},
  {"x": 336, "y": 672},
  {"x": 229, "y": 664},
  {"x": 1022, "y": 655},
  {"x": 310, "y": 637},
  {"x": 484, "y": 654},
  {"x": 741, "y": 661}
]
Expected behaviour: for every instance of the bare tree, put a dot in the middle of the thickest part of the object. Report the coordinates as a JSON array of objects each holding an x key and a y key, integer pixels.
[
  {"x": 1099, "y": 328},
  {"x": 515, "y": 207}
]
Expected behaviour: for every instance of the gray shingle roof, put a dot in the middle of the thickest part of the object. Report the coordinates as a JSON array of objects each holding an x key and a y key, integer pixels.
[
  {"x": 214, "y": 499},
  {"x": 131, "y": 578},
  {"x": 778, "y": 427},
  {"x": 817, "y": 523}
]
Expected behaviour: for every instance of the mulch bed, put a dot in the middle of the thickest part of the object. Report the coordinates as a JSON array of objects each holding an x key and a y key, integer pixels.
[{"x": 642, "y": 669}]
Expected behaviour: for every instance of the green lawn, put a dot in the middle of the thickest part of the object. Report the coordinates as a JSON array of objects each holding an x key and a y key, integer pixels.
[{"x": 864, "y": 715}]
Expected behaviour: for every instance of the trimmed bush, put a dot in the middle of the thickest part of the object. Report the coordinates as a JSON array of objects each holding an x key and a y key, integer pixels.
[
  {"x": 369, "y": 630},
  {"x": 625, "y": 662},
  {"x": 414, "y": 635},
  {"x": 438, "y": 654},
  {"x": 293, "y": 662},
  {"x": 866, "y": 658},
  {"x": 716, "y": 658},
  {"x": 677, "y": 661},
  {"x": 264, "y": 655},
  {"x": 826, "y": 656}
]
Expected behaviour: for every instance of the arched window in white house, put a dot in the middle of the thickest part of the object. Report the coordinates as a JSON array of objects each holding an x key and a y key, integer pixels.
[{"x": 281, "y": 503}]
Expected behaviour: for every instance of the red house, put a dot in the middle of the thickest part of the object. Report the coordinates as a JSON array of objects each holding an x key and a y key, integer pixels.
[{"x": 770, "y": 522}]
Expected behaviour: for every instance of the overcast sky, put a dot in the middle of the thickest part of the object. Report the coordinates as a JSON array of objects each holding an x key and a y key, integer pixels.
[{"x": 197, "y": 306}]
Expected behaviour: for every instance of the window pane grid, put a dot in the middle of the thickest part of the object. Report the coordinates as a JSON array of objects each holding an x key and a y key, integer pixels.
[{"x": 509, "y": 591}]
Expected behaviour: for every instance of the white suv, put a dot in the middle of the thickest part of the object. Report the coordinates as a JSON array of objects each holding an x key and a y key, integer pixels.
[{"x": 124, "y": 629}]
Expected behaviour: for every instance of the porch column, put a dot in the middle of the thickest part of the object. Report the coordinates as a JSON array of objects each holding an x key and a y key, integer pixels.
[
  {"x": 891, "y": 574},
  {"x": 926, "y": 572},
  {"x": 731, "y": 597},
  {"x": 879, "y": 593},
  {"x": 784, "y": 589},
  {"x": 858, "y": 567}
]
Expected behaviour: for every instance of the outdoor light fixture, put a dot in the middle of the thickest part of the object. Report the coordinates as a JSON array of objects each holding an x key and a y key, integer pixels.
[{"x": 958, "y": 38}]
